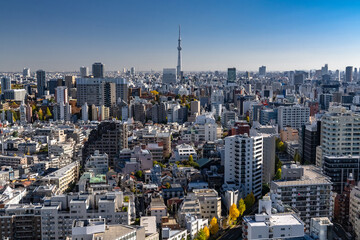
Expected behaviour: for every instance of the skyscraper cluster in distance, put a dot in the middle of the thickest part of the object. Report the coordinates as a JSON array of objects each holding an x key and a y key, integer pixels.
[{"x": 227, "y": 154}]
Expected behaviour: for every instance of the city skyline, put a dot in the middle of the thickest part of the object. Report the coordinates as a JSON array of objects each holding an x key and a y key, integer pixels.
[{"x": 243, "y": 34}]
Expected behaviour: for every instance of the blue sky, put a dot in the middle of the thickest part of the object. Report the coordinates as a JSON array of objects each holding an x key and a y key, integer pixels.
[{"x": 283, "y": 35}]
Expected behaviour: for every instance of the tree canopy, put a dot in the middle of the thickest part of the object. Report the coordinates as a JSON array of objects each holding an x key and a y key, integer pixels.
[
  {"x": 242, "y": 206},
  {"x": 214, "y": 226}
]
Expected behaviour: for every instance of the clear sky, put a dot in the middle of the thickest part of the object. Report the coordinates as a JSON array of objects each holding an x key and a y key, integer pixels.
[{"x": 63, "y": 35}]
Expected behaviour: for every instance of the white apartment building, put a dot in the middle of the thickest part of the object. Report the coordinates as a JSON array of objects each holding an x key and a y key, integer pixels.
[
  {"x": 97, "y": 163},
  {"x": 59, "y": 212},
  {"x": 158, "y": 209},
  {"x": 340, "y": 134},
  {"x": 293, "y": 116},
  {"x": 210, "y": 203},
  {"x": 266, "y": 225},
  {"x": 354, "y": 211},
  {"x": 60, "y": 149},
  {"x": 63, "y": 177},
  {"x": 321, "y": 228},
  {"x": 202, "y": 133},
  {"x": 173, "y": 112},
  {"x": 190, "y": 205},
  {"x": 96, "y": 229},
  {"x": 169, "y": 234},
  {"x": 149, "y": 223},
  {"x": 182, "y": 153},
  {"x": 243, "y": 163},
  {"x": 306, "y": 189},
  {"x": 13, "y": 161},
  {"x": 194, "y": 225}
]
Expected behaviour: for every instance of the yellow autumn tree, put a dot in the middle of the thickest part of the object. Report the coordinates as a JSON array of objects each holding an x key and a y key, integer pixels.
[
  {"x": 234, "y": 212},
  {"x": 214, "y": 226},
  {"x": 154, "y": 92},
  {"x": 242, "y": 207},
  {"x": 41, "y": 114},
  {"x": 207, "y": 232}
]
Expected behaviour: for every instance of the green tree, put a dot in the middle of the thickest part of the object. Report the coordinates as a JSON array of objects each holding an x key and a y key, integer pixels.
[
  {"x": 167, "y": 185},
  {"x": 249, "y": 200},
  {"x": 201, "y": 235},
  {"x": 15, "y": 134},
  {"x": 126, "y": 199},
  {"x": 278, "y": 174},
  {"x": 265, "y": 189},
  {"x": 241, "y": 207},
  {"x": 191, "y": 159},
  {"x": 297, "y": 158},
  {"x": 278, "y": 163},
  {"x": 139, "y": 174}
]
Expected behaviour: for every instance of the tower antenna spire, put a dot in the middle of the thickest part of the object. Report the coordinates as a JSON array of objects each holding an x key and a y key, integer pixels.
[{"x": 178, "y": 68}]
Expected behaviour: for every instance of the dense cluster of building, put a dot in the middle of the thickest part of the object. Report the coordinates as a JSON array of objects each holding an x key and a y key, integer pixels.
[{"x": 149, "y": 155}]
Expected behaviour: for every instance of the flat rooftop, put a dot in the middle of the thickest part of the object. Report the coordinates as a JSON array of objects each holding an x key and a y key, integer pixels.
[
  {"x": 61, "y": 172},
  {"x": 312, "y": 176},
  {"x": 275, "y": 220}
]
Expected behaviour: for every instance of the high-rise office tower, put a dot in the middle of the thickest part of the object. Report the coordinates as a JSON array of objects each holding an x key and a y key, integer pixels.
[
  {"x": 348, "y": 74},
  {"x": 26, "y": 72},
  {"x": 325, "y": 70},
  {"x": 62, "y": 111},
  {"x": 169, "y": 75},
  {"x": 337, "y": 75},
  {"x": 339, "y": 168},
  {"x": 98, "y": 70},
  {"x": 70, "y": 82},
  {"x": 89, "y": 90},
  {"x": 22, "y": 111},
  {"x": 293, "y": 116},
  {"x": 355, "y": 75},
  {"x": 92, "y": 91},
  {"x": 61, "y": 95},
  {"x": 109, "y": 94},
  {"x": 84, "y": 71},
  {"x": 309, "y": 139},
  {"x": 28, "y": 113},
  {"x": 178, "y": 68},
  {"x": 340, "y": 130},
  {"x": 85, "y": 112},
  {"x": 243, "y": 163},
  {"x": 325, "y": 100},
  {"x": 231, "y": 77},
  {"x": 41, "y": 82},
  {"x": 54, "y": 83},
  {"x": 132, "y": 71},
  {"x": 262, "y": 70},
  {"x": 5, "y": 84}
]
